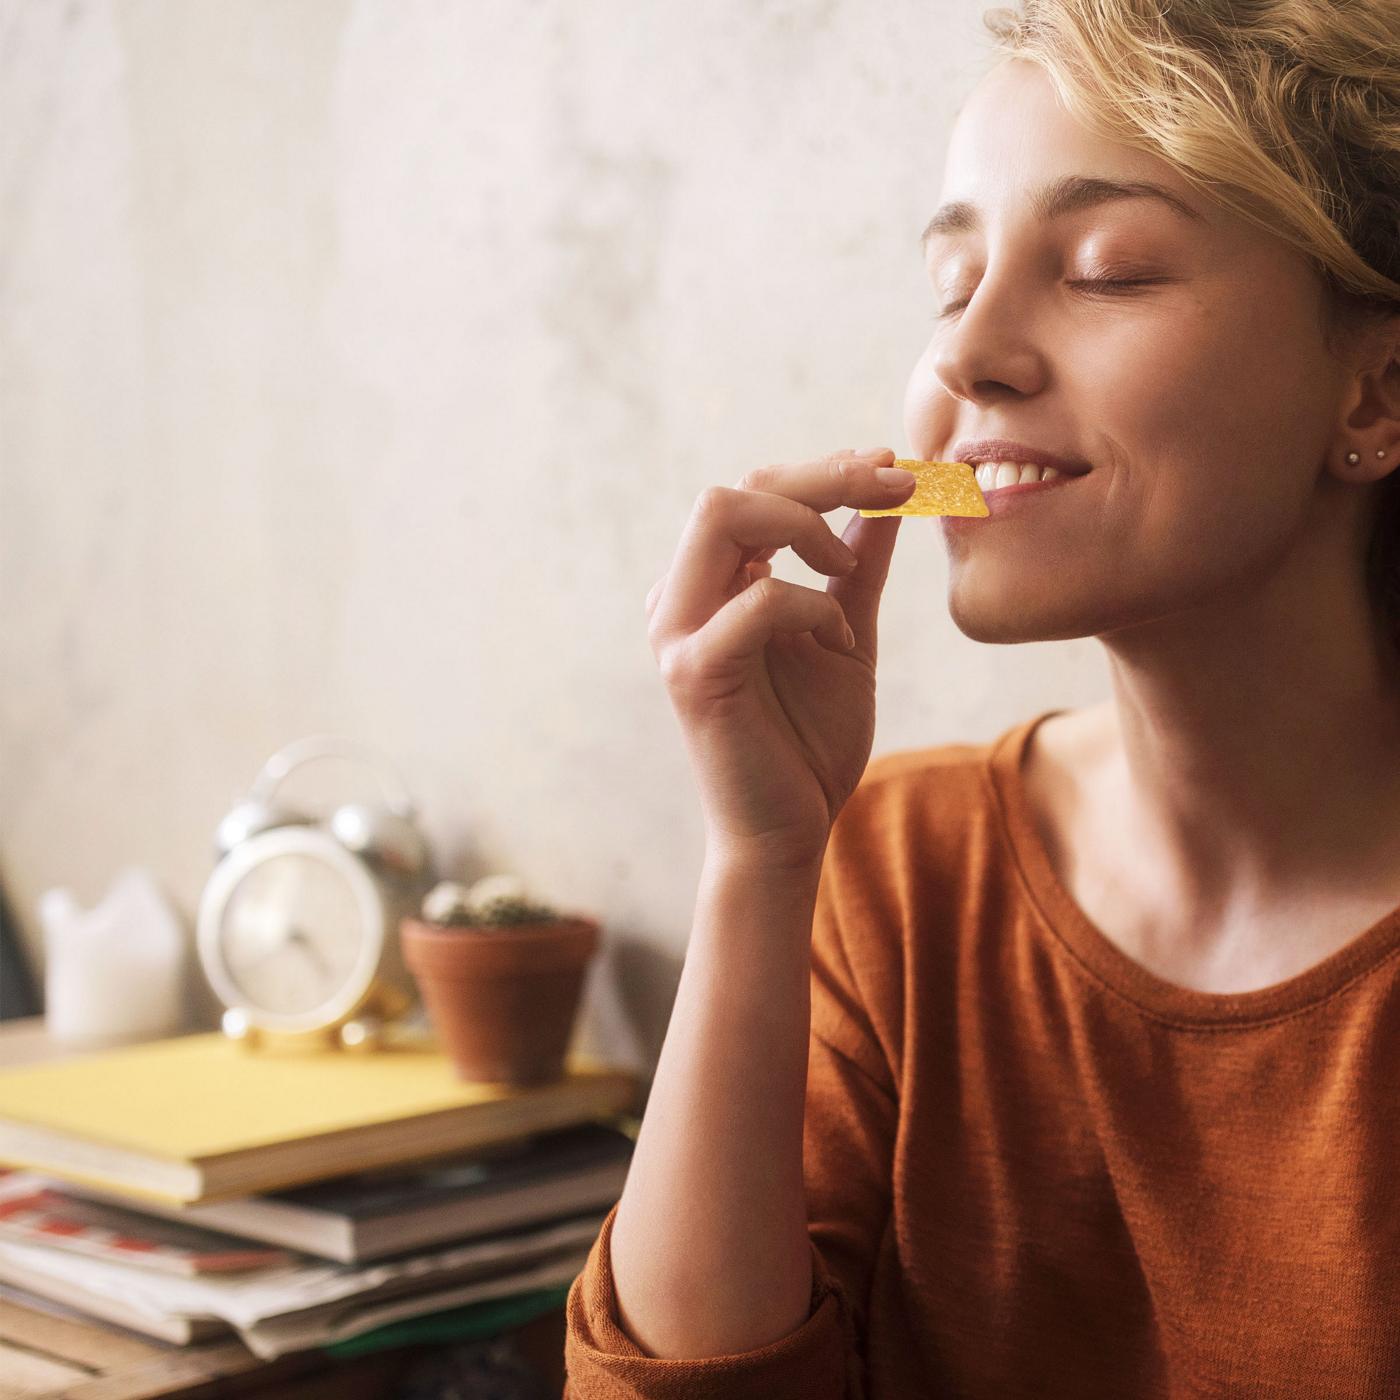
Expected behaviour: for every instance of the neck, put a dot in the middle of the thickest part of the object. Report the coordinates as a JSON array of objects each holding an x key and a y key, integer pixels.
[{"x": 1256, "y": 745}]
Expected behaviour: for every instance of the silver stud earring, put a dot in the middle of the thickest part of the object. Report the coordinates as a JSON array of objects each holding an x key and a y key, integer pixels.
[
  {"x": 1380, "y": 452},
  {"x": 1353, "y": 458}
]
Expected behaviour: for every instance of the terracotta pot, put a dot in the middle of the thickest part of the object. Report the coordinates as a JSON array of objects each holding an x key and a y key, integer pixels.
[{"x": 502, "y": 1000}]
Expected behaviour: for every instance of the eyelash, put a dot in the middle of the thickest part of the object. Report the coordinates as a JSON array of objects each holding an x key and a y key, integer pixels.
[{"x": 1098, "y": 284}]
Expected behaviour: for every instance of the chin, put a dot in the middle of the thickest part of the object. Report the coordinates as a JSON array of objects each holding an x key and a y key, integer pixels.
[{"x": 1006, "y": 620}]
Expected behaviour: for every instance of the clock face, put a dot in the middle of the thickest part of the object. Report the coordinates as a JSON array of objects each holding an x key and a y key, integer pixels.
[
  {"x": 291, "y": 928},
  {"x": 292, "y": 934}
]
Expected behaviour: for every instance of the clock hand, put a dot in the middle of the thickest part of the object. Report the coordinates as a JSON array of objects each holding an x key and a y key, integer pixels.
[
  {"x": 298, "y": 935},
  {"x": 289, "y": 935}
]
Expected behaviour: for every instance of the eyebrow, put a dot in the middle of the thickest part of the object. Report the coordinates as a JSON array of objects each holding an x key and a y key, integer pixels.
[{"x": 1067, "y": 195}]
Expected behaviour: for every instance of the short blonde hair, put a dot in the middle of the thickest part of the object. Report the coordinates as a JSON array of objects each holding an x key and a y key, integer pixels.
[{"x": 1286, "y": 111}]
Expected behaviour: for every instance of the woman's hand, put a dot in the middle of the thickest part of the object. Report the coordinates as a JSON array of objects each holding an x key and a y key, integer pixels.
[{"x": 778, "y": 713}]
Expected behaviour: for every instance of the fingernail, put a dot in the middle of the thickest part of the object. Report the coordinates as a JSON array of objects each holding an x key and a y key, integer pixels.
[
  {"x": 872, "y": 451},
  {"x": 893, "y": 476},
  {"x": 850, "y": 637}
]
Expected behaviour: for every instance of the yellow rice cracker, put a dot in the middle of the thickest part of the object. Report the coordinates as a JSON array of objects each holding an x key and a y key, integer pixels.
[{"x": 940, "y": 488}]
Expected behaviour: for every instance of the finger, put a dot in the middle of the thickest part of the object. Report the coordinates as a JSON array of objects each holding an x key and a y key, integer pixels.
[
  {"x": 875, "y": 455},
  {"x": 655, "y": 593},
  {"x": 773, "y": 507},
  {"x": 740, "y": 630},
  {"x": 749, "y": 574},
  {"x": 749, "y": 556},
  {"x": 844, "y": 478},
  {"x": 726, "y": 529},
  {"x": 859, "y": 592},
  {"x": 738, "y": 583}
]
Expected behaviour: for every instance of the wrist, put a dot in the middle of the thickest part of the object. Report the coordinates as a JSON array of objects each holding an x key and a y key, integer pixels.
[
  {"x": 753, "y": 911},
  {"x": 771, "y": 861}
]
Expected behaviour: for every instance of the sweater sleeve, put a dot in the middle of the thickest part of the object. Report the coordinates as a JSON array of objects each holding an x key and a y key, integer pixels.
[{"x": 849, "y": 1125}]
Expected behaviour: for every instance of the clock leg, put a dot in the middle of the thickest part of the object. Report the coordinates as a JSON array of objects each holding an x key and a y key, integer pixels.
[
  {"x": 363, "y": 1034},
  {"x": 237, "y": 1026}
]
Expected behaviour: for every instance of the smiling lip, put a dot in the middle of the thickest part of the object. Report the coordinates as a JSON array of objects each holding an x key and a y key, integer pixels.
[
  {"x": 978, "y": 450},
  {"x": 1006, "y": 500}
]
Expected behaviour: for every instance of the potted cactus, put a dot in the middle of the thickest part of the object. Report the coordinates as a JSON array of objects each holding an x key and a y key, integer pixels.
[{"x": 501, "y": 978}]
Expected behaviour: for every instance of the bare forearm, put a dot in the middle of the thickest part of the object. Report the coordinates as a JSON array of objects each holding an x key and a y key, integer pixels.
[{"x": 710, "y": 1252}]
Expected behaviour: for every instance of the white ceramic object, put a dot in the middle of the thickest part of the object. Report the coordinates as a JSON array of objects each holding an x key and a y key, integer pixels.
[{"x": 114, "y": 973}]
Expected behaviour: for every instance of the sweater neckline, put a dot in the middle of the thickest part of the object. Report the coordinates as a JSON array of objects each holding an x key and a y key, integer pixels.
[{"x": 1106, "y": 961}]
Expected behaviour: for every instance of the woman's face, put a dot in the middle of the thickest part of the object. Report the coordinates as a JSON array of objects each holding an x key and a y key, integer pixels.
[{"x": 1204, "y": 399}]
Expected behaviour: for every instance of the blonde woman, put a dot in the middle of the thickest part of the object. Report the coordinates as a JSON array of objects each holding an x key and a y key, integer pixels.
[{"x": 1065, "y": 1065}]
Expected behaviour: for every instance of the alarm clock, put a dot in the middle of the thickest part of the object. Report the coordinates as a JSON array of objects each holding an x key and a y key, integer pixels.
[{"x": 297, "y": 930}]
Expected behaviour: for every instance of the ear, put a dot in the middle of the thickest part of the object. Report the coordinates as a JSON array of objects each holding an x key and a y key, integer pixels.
[{"x": 1369, "y": 422}]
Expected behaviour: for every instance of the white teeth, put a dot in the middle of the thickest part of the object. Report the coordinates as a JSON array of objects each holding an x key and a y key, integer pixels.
[{"x": 992, "y": 476}]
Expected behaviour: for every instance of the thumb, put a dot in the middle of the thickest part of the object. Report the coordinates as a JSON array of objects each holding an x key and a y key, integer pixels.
[{"x": 871, "y": 540}]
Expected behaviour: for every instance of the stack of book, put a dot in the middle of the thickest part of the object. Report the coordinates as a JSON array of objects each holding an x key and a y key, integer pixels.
[{"x": 193, "y": 1186}]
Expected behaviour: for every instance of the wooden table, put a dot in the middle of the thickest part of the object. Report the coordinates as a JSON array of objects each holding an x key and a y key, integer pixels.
[{"x": 47, "y": 1351}]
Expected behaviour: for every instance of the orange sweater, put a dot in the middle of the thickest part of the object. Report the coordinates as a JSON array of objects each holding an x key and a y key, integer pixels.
[{"x": 1034, "y": 1168}]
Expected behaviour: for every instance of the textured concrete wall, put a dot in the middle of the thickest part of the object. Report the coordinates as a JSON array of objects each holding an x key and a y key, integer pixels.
[{"x": 360, "y": 364}]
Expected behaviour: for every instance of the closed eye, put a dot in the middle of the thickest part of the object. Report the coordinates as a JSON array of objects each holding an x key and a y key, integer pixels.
[{"x": 1108, "y": 286}]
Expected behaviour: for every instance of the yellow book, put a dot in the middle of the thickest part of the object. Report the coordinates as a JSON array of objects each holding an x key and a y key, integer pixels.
[{"x": 201, "y": 1118}]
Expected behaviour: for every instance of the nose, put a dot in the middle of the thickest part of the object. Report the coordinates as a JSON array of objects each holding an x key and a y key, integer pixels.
[{"x": 986, "y": 352}]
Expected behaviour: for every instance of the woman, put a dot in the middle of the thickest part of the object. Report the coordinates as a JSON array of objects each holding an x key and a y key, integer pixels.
[{"x": 1090, "y": 1092}]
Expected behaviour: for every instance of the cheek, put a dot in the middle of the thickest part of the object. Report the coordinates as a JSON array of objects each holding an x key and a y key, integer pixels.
[
  {"x": 1249, "y": 352},
  {"x": 1216, "y": 385},
  {"x": 1212, "y": 419}
]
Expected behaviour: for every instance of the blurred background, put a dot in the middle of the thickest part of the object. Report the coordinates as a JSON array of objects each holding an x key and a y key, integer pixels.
[{"x": 360, "y": 365}]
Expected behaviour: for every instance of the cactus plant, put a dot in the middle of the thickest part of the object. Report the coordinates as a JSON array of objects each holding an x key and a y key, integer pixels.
[
  {"x": 495, "y": 902},
  {"x": 506, "y": 909}
]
